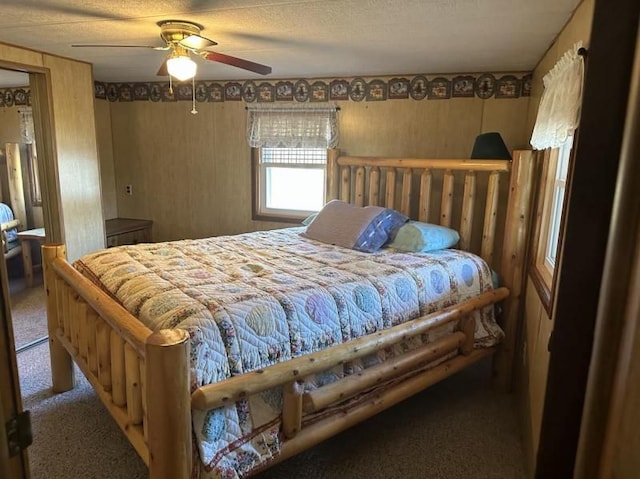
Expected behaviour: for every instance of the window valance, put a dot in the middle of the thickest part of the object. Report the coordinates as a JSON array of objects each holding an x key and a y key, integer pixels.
[
  {"x": 292, "y": 126},
  {"x": 559, "y": 110}
]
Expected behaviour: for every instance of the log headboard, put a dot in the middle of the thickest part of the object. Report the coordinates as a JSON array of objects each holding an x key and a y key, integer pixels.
[{"x": 416, "y": 187}]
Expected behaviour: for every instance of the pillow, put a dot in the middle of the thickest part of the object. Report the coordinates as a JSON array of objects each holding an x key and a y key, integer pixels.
[
  {"x": 422, "y": 237},
  {"x": 361, "y": 228}
]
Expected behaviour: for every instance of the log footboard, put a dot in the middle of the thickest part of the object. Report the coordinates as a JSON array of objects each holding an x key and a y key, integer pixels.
[
  {"x": 142, "y": 377},
  {"x": 408, "y": 372}
]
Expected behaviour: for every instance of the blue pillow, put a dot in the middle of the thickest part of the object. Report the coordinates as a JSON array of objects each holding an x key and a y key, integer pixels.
[
  {"x": 380, "y": 231},
  {"x": 423, "y": 237}
]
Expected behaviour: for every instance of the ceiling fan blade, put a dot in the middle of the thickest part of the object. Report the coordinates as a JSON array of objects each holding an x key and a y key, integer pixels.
[
  {"x": 236, "y": 62},
  {"x": 196, "y": 42},
  {"x": 163, "y": 71},
  {"x": 120, "y": 46},
  {"x": 199, "y": 5},
  {"x": 72, "y": 10}
]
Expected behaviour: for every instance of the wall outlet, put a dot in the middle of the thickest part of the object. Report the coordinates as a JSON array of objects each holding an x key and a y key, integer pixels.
[{"x": 128, "y": 189}]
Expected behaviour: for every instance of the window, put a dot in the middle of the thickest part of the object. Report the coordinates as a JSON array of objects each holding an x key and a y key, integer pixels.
[
  {"x": 550, "y": 208},
  {"x": 289, "y": 145},
  {"x": 556, "y": 122},
  {"x": 557, "y": 200},
  {"x": 289, "y": 183}
]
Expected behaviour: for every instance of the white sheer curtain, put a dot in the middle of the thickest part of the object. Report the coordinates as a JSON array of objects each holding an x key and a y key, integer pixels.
[
  {"x": 26, "y": 125},
  {"x": 559, "y": 110},
  {"x": 292, "y": 126}
]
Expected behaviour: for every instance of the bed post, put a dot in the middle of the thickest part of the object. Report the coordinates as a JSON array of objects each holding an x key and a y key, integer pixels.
[
  {"x": 513, "y": 267},
  {"x": 333, "y": 174},
  {"x": 168, "y": 395},
  {"x": 62, "y": 376}
]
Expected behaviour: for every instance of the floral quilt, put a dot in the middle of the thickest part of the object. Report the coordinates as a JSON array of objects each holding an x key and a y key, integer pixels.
[{"x": 251, "y": 300}]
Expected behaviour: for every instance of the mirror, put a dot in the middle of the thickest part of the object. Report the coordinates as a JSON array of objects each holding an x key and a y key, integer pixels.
[{"x": 21, "y": 199}]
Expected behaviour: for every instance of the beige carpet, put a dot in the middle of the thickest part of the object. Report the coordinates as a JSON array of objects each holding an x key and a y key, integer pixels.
[
  {"x": 28, "y": 311},
  {"x": 459, "y": 428}
]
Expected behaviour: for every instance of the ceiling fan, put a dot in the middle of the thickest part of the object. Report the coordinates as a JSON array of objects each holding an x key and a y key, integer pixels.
[{"x": 183, "y": 38}]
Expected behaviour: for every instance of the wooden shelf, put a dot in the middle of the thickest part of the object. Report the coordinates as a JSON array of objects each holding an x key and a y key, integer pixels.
[{"x": 121, "y": 231}]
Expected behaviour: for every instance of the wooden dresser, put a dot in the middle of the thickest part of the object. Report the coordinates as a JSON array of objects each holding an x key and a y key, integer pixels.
[{"x": 122, "y": 231}]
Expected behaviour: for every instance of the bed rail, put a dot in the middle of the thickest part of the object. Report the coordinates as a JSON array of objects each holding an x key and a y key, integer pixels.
[
  {"x": 134, "y": 333},
  {"x": 312, "y": 433},
  {"x": 238, "y": 387},
  {"x": 127, "y": 364}
]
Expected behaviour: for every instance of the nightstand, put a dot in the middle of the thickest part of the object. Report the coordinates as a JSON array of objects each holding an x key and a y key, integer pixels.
[{"x": 121, "y": 231}]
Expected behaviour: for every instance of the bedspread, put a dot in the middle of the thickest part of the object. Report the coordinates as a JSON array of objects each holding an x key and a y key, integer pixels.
[{"x": 251, "y": 300}]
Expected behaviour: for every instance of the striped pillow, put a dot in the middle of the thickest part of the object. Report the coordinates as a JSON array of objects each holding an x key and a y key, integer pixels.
[{"x": 361, "y": 228}]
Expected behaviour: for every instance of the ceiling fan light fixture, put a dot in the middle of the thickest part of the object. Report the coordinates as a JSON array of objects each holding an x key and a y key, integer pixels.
[{"x": 181, "y": 67}]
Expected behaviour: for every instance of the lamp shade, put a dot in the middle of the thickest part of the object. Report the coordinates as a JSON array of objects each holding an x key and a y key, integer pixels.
[
  {"x": 490, "y": 146},
  {"x": 181, "y": 67}
]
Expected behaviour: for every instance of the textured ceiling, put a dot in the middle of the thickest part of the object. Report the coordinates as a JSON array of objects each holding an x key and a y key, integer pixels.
[{"x": 297, "y": 38}]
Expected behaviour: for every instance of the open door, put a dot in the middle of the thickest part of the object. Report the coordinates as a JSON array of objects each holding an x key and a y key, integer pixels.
[
  {"x": 609, "y": 437},
  {"x": 15, "y": 430}
]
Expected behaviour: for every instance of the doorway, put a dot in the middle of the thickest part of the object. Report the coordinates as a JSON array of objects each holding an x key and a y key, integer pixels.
[
  {"x": 21, "y": 211},
  {"x": 26, "y": 116}
]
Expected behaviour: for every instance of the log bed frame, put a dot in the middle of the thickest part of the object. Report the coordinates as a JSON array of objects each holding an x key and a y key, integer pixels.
[{"x": 129, "y": 365}]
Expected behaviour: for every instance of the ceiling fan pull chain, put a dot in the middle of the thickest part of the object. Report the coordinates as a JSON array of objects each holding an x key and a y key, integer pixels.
[
  {"x": 193, "y": 96},
  {"x": 170, "y": 85}
]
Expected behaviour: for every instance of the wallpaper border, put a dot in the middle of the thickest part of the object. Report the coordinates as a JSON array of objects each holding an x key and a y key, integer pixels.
[
  {"x": 417, "y": 87},
  {"x": 18, "y": 96}
]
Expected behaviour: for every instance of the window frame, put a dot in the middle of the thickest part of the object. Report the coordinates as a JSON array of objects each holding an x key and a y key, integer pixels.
[
  {"x": 543, "y": 276},
  {"x": 258, "y": 212}
]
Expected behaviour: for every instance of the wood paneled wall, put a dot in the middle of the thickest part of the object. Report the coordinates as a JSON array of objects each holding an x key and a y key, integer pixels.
[
  {"x": 105, "y": 153},
  {"x": 532, "y": 374},
  {"x": 21, "y": 56},
  {"x": 191, "y": 174},
  {"x": 535, "y": 355},
  {"x": 73, "y": 163},
  {"x": 77, "y": 155}
]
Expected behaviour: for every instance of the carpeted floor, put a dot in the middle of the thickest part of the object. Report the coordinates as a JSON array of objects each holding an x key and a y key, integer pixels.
[
  {"x": 28, "y": 311},
  {"x": 459, "y": 428}
]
